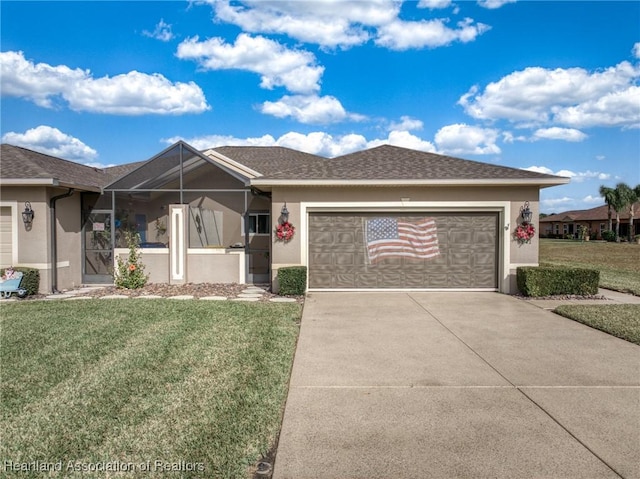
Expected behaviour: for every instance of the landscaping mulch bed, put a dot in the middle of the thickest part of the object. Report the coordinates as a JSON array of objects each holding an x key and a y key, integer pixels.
[{"x": 200, "y": 290}]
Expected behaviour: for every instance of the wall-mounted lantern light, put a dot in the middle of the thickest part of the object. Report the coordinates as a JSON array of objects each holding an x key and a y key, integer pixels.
[
  {"x": 284, "y": 212},
  {"x": 526, "y": 213},
  {"x": 27, "y": 214}
]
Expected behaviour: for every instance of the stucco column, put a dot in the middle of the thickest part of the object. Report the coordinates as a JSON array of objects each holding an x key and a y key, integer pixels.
[{"x": 178, "y": 244}]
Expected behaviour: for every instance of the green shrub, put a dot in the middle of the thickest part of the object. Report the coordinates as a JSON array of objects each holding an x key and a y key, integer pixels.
[
  {"x": 130, "y": 273},
  {"x": 292, "y": 280},
  {"x": 30, "y": 278},
  {"x": 536, "y": 281},
  {"x": 609, "y": 235}
]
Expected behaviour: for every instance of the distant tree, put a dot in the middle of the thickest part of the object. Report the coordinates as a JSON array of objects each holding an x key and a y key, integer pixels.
[
  {"x": 608, "y": 195},
  {"x": 543, "y": 215}
]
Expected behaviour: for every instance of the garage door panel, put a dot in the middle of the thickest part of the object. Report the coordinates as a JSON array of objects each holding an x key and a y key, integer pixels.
[{"x": 340, "y": 250}]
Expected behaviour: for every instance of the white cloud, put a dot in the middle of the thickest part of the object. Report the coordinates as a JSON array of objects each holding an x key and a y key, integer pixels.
[
  {"x": 461, "y": 139},
  {"x": 296, "y": 70},
  {"x": 407, "y": 124},
  {"x": 401, "y": 35},
  {"x": 577, "y": 177},
  {"x": 328, "y": 23},
  {"x": 161, "y": 32},
  {"x": 636, "y": 50},
  {"x": 434, "y": 4},
  {"x": 317, "y": 142},
  {"x": 132, "y": 93},
  {"x": 573, "y": 97},
  {"x": 51, "y": 141},
  {"x": 620, "y": 108},
  {"x": 404, "y": 139},
  {"x": 593, "y": 199},
  {"x": 311, "y": 109},
  {"x": 556, "y": 133},
  {"x": 554, "y": 202},
  {"x": 344, "y": 23},
  {"x": 493, "y": 4}
]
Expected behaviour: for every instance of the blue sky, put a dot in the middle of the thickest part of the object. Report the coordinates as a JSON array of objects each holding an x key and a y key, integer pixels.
[{"x": 548, "y": 86}]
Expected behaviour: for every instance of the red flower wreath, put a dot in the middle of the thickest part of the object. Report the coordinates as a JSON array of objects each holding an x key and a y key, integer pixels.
[
  {"x": 524, "y": 233},
  {"x": 285, "y": 231}
]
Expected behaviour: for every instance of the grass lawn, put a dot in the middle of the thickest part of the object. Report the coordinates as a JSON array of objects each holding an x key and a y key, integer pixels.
[
  {"x": 196, "y": 385},
  {"x": 620, "y": 320},
  {"x": 618, "y": 263}
]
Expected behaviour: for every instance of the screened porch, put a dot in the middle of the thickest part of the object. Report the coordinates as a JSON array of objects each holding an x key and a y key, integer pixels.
[{"x": 196, "y": 220}]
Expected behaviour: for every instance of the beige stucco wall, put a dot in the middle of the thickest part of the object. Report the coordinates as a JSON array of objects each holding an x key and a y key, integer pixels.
[
  {"x": 291, "y": 253},
  {"x": 34, "y": 245},
  {"x": 155, "y": 261},
  {"x": 205, "y": 267}
]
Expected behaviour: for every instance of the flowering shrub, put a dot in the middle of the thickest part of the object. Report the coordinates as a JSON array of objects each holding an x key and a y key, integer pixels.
[
  {"x": 130, "y": 272},
  {"x": 524, "y": 233},
  {"x": 285, "y": 231}
]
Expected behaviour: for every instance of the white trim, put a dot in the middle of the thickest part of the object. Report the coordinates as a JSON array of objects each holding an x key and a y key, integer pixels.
[
  {"x": 13, "y": 205},
  {"x": 177, "y": 243},
  {"x": 29, "y": 182},
  {"x": 414, "y": 182},
  {"x": 219, "y": 251},
  {"x": 503, "y": 208},
  {"x": 523, "y": 265},
  {"x": 232, "y": 165},
  {"x": 47, "y": 266}
]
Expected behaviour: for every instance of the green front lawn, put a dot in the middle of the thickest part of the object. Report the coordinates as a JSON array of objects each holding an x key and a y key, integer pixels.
[
  {"x": 620, "y": 320},
  {"x": 618, "y": 263},
  {"x": 192, "y": 384}
]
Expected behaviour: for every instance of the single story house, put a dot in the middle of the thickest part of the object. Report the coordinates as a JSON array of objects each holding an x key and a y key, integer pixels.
[
  {"x": 379, "y": 219},
  {"x": 596, "y": 220}
]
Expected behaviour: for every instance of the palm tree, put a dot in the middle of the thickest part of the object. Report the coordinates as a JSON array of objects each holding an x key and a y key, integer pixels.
[
  {"x": 634, "y": 195},
  {"x": 608, "y": 195},
  {"x": 622, "y": 196}
]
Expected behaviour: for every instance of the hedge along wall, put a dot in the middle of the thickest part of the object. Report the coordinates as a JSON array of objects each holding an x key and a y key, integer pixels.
[
  {"x": 292, "y": 280},
  {"x": 536, "y": 281}
]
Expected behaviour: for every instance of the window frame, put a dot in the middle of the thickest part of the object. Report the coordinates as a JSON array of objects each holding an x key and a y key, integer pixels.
[{"x": 257, "y": 216}]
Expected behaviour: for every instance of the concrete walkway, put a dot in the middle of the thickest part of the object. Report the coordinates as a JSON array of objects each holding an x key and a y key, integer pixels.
[{"x": 456, "y": 385}]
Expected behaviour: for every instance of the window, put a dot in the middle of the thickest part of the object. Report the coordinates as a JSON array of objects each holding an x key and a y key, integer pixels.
[
  {"x": 556, "y": 228},
  {"x": 603, "y": 227},
  {"x": 259, "y": 224}
]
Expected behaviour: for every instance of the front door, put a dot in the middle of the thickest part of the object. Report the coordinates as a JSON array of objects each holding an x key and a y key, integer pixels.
[{"x": 98, "y": 248}]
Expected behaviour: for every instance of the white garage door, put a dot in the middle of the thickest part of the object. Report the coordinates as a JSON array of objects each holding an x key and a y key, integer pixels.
[
  {"x": 404, "y": 251},
  {"x": 6, "y": 237}
]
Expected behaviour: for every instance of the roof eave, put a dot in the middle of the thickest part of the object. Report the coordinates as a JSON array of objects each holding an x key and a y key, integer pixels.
[
  {"x": 541, "y": 182},
  {"x": 47, "y": 182}
]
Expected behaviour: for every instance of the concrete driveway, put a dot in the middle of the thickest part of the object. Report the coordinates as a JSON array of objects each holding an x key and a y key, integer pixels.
[{"x": 455, "y": 385}]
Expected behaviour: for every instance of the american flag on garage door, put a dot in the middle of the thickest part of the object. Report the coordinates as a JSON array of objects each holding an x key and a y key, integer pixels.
[{"x": 391, "y": 238}]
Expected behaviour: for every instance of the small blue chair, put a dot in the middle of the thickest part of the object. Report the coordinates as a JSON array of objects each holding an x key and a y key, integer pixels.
[{"x": 10, "y": 286}]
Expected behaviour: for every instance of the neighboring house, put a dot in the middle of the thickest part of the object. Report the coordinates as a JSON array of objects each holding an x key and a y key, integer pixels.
[
  {"x": 596, "y": 220},
  {"x": 383, "y": 218}
]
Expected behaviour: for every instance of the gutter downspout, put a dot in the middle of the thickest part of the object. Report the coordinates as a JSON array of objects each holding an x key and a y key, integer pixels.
[{"x": 54, "y": 239}]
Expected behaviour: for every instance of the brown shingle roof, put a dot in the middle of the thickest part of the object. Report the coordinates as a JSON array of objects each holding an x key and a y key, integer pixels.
[
  {"x": 19, "y": 163},
  {"x": 278, "y": 161},
  {"x": 599, "y": 213},
  {"x": 383, "y": 163}
]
